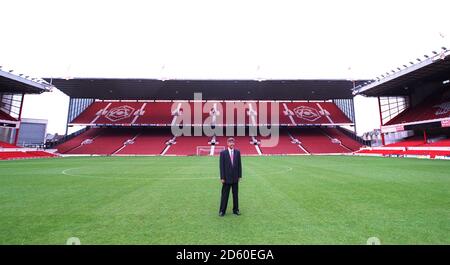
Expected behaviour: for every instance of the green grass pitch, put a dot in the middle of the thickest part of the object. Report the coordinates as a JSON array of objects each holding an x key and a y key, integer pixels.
[{"x": 175, "y": 200}]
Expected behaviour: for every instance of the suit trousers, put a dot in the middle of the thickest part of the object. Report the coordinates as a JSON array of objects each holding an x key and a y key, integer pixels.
[{"x": 226, "y": 193}]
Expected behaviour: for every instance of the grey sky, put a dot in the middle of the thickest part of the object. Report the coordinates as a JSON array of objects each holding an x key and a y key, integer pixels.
[{"x": 215, "y": 39}]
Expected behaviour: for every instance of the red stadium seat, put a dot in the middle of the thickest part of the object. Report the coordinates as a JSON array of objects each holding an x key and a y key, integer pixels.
[
  {"x": 286, "y": 145},
  {"x": 165, "y": 113},
  {"x": 7, "y": 145},
  {"x": 434, "y": 107},
  {"x": 316, "y": 141}
]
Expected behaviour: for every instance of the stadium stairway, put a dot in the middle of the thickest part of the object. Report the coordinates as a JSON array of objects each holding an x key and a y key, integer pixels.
[
  {"x": 287, "y": 145},
  {"x": 105, "y": 143},
  {"x": 347, "y": 142},
  {"x": 316, "y": 142},
  {"x": 77, "y": 141}
]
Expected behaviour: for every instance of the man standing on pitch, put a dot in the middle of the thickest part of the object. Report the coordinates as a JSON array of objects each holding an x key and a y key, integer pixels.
[{"x": 230, "y": 175}]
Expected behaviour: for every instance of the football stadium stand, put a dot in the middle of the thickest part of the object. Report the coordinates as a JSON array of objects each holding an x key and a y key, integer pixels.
[
  {"x": 147, "y": 142},
  {"x": 287, "y": 145},
  {"x": 315, "y": 141},
  {"x": 414, "y": 106},
  {"x": 187, "y": 145},
  {"x": 320, "y": 113},
  {"x": 160, "y": 141},
  {"x": 7, "y": 145},
  {"x": 134, "y": 117},
  {"x": 13, "y": 88},
  {"x": 5, "y": 117},
  {"x": 106, "y": 142},
  {"x": 165, "y": 113},
  {"x": 433, "y": 108},
  {"x": 346, "y": 142},
  {"x": 11, "y": 155}
]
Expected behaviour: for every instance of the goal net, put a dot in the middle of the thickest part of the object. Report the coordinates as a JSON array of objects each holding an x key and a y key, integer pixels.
[
  {"x": 203, "y": 150},
  {"x": 208, "y": 150}
]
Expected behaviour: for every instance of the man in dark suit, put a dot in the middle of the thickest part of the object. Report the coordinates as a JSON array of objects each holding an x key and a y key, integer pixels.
[{"x": 230, "y": 175}]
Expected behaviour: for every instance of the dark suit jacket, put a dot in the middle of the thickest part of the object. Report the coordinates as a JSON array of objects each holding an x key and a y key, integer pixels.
[{"x": 230, "y": 172}]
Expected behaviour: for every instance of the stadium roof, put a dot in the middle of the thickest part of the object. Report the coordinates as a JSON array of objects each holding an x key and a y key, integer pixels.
[
  {"x": 18, "y": 84},
  {"x": 108, "y": 88},
  {"x": 396, "y": 83}
]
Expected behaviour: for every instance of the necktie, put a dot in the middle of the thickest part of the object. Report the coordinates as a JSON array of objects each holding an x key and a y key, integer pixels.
[{"x": 231, "y": 156}]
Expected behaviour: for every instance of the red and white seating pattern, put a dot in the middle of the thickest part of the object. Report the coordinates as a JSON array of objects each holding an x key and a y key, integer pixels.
[
  {"x": 106, "y": 142},
  {"x": 435, "y": 108},
  {"x": 75, "y": 142},
  {"x": 315, "y": 141},
  {"x": 160, "y": 141},
  {"x": 318, "y": 113},
  {"x": 146, "y": 142},
  {"x": 286, "y": 145},
  {"x": 168, "y": 113},
  {"x": 346, "y": 141}
]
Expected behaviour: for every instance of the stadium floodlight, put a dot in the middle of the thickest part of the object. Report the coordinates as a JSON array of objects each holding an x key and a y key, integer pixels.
[
  {"x": 11, "y": 71},
  {"x": 405, "y": 66},
  {"x": 382, "y": 76},
  {"x": 444, "y": 48},
  {"x": 411, "y": 63},
  {"x": 426, "y": 56},
  {"x": 398, "y": 68},
  {"x": 393, "y": 71},
  {"x": 435, "y": 52},
  {"x": 418, "y": 60}
]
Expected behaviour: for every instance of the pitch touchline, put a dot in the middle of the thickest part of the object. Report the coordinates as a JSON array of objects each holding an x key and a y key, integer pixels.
[{"x": 64, "y": 172}]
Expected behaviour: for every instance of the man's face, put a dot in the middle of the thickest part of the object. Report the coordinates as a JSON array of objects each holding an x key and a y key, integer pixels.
[{"x": 230, "y": 144}]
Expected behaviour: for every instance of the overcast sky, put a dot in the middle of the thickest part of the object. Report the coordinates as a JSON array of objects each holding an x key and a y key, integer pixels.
[{"x": 215, "y": 39}]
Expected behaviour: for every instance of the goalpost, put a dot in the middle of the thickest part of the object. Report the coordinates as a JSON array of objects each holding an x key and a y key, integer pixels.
[
  {"x": 218, "y": 149},
  {"x": 209, "y": 150},
  {"x": 203, "y": 150}
]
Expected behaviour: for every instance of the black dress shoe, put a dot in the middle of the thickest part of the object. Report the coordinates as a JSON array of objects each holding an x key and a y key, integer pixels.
[
  {"x": 237, "y": 213},
  {"x": 221, "y": 214}
]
